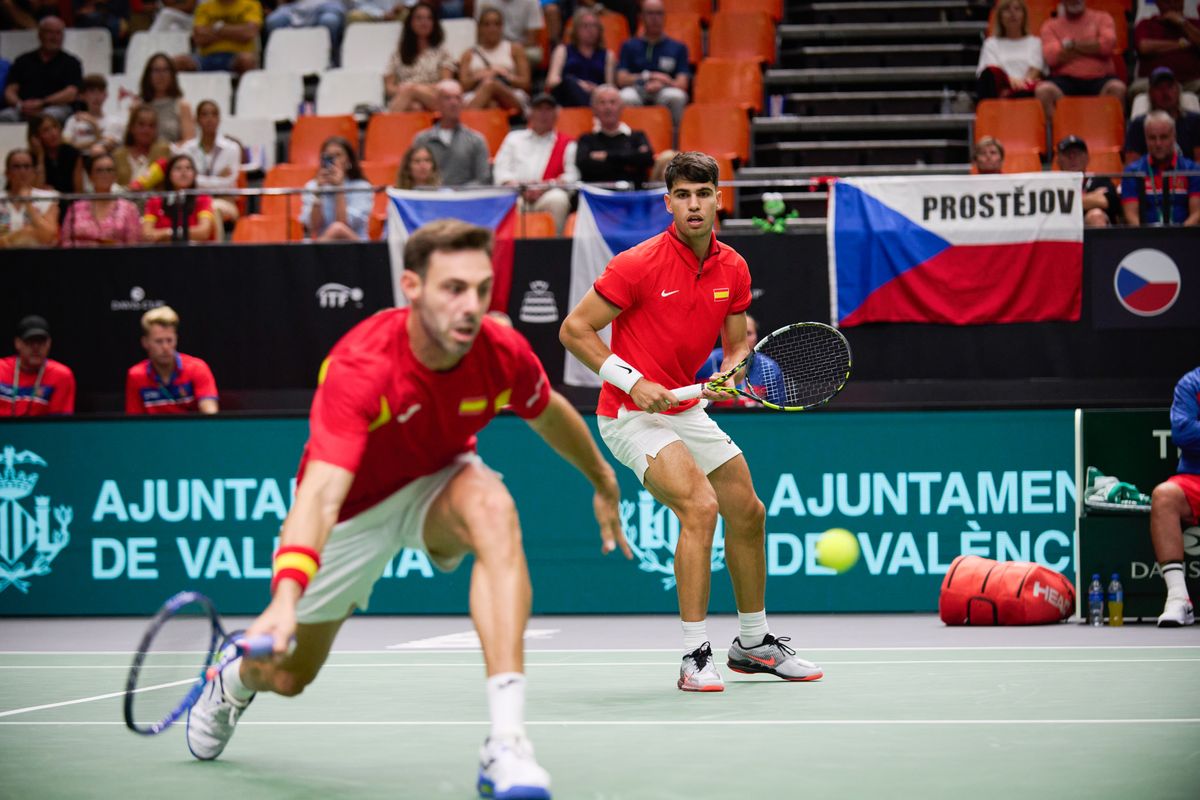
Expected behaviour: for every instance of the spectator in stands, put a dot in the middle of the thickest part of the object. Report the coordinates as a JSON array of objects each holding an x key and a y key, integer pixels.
[
  {"x": 578, "y": 66},
  {"x": 109, "y": 14},
  {"x": 143, "y": 147},
  {"x": 495, "y": 72},
  {"x": 522, "y": 21},
  {"x": 653, "y": 68},
  {"x": 461, "y": 153},
  {"x": 160, "y": 90},
  {"x": 539, "y": 154},
  {"x": 329, "y": 14},
  {"x": 218, "y": 159},
  {"x": 612, "y": 151},
  {"x": 1078, "y": 47},
  {"x": 1164, "y": 96},
  {"x": 168, "y": 382},
  {"x": 420, "y": 61},
  {"x": 762, "y": 376},
  {"x": 1101, "y": 204},
  {"x": 174, "y": 15},
  {"x": 92, "y": 126},
  {"x": 375, "y": 10},
  {"x": 226, "y": 37},
  {"x": 56, "y": 164},
  {"x": 101, "y": 220},
  {"x": 1149, "y": 198},
  {"x": 39, "y": 385},
  {"x": 340, "y": 215},
  {"x": 172, "y": 217},
  {"x": 26, "y": 221},
  {"x": 989, "y": 156},
  {"x": 43, "y": 81},
  {"x": 1167, "y": 40},
  {"x": 418, "y": 169},
  {"x": 1011, "y": 63}
]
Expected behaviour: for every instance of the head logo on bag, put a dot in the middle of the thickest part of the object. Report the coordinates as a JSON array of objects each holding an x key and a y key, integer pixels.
[{"x": 981, "y": 591}]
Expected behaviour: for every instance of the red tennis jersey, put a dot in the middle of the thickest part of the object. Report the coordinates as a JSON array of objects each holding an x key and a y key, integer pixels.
[
  {"x": 191, "y": 382},
  {"x": 55, "y": 393},
  {"x": 672, "y": 310},
  {"x": 389, "y": 419}
]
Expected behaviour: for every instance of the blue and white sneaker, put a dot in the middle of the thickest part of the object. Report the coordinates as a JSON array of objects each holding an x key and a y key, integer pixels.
[
  {"x": 211, "y": 721},
  {"x": 509, "y": 771}
]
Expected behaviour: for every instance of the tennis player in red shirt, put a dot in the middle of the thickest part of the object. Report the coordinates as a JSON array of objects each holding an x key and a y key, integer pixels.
[
  {"x": 31, "y": 383},
  {"x": 667, "y": 299},
  {"x": 168, "y": 382},
  {"x": 390, "y": 463}
]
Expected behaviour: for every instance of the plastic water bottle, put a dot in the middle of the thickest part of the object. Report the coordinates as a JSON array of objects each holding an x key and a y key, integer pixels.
[
  {"x": 1096, "y": 601},
  {"x": 1116, "y": 601}
]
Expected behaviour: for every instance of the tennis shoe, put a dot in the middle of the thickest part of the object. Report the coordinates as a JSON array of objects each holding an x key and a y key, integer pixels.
[
  {"x": 772, "y": 657},
  {"x": 1176, "y": 613},
  {"x": 508, "y": 770},
  {"x": 211, "y": 720},
  {"x": 698, "y": 672}
]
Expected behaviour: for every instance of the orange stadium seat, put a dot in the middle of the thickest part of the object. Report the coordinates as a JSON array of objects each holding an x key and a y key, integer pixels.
[
  {"x": 1021, "y": 161},
  {"x": 728, "y": 193},
  {"x": 1099, "y": 121},
  {"x": 379, "y": 173},
  {"x": 1103, "y": 161},
  {"x": 772, "y": 7},
  {"x": 536, "y": 225},
  {"x": 742, "y": 35},
  {"x": 685, "y": 26},
  {"x": 702, "y": 7},
  {"x": 655, "y": 122},
  {"x": 717, "y": 129},
  {"x": 389, "y": 135},
  {"x": 569, "y": 225},
  {"x": 616, "y": 30},
  {"x": 263, "y": 228},
  {"x": 574, "y": 122},
  {"x": 309, "y": 132},
  {"x": 1019, "y": 124},
  {"x": 285, "y": 176},
  {"x": 491, "y": 122},
  {"x": 726, "y": 80}
]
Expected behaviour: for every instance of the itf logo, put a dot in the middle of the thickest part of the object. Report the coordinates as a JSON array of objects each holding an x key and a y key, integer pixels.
[
  {"x": 654, "y": 537},
  {"x": 1147, "y": 282},
  {"x": 338, "y": 295},
  {"x": 25, "y": 533}
]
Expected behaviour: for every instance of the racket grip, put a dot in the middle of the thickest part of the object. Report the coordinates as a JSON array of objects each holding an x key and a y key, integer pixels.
[
  {"x": 260, "y": 646},
  {"x": 688, "y": 392}
]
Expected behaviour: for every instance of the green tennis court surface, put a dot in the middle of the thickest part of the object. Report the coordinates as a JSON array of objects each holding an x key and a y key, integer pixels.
[{"x": 907, "y": 709}]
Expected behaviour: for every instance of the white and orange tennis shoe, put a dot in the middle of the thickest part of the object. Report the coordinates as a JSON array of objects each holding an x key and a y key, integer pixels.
[
  {"x": 772, "y": 657},
  {"x": 698, "y": 672},
  {"x": 509, "y": 771},
  {"x": 1177, "y": 613},
  {"x": 210, "y": 722}
]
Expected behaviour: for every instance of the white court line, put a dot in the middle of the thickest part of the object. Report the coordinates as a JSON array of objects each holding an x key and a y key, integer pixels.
[
  {"x": 645, "y": 723},
  {"x": 92, "y": 699},
  {"x": 581, "y": 650}
]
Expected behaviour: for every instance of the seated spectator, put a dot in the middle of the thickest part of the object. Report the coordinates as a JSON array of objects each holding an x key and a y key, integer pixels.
[
  {"x": 337, "y": 215},
  {"x": 92, "y": 126},
  {"x": 139, "y": 157},
  {"x": 43, "y": 81},
  {"x": 577, "y": 67},
  {"x": 989, "y": 156},
  {"x": 109, "y": 14},
  {"x": 420, "y": 61},
  {"x": 1101, "y": 204},
  {"x": 226, "y": 37},
  {"x": 495, "y": 72},
  {"x": 375, "y": 10},
  {"x": 1149, "y": 198},
  {"x": 461, "y": 153},
  {"x": 653, "y": 68},
  {"x": 39, "y": 385},
  {"x": 174, "y": 16},
  {"x": 218, "y": 159},
  {"x": 523, "y": 22},
  {"x": 160, "y": 90},
  {"x": 418, "y": 169},
  {"x": 1164, "y": 96},
  {"x": 1078, "y": 47},
  {"x": 1167, "y": 39},
  {"x": 56, "y": 164},
  {"x": 612, "y": 151},
  {"x": 1011, "y": 63},
  {"x": 101, "y": 220},
  {"x": 24, "y": 220},
  {"x": 173, "y": 218},
  {"x": 329, "y": 14},
  {"x": 168, "y": 382},
  {"x": 762, "y": 375},
  {"x": 539, "y": 154}
]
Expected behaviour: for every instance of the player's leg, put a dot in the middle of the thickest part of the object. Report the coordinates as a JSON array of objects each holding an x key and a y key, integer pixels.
[{"x": 1169, "y": 508}]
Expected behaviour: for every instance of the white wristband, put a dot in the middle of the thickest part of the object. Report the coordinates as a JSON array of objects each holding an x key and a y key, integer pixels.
[{"x": 619, "y": 373}]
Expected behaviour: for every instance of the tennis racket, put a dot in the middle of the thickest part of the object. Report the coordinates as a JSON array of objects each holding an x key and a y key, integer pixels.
[
  {"x": 806, "y": 365},
  {"x": 184, "y": 638}
]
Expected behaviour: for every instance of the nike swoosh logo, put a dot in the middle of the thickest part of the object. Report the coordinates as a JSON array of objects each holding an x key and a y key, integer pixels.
[
  {"x": 665, "y": 293},
  {"x": 620, "y": 366},
  {"x": 407, "y": 415},
  {"x": 766, "y": 662}
]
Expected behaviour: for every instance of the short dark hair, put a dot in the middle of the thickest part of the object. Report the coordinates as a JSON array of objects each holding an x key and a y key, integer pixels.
[
  {"x": 93, "y": 80},
  {"x": 444, "y": 235},
  {"x": 692, "y": 166}
]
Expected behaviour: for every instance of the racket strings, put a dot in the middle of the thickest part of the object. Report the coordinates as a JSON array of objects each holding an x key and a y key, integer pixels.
[
  {"x": 169, "y": 661},
  {"x": 811, "y": 364}
]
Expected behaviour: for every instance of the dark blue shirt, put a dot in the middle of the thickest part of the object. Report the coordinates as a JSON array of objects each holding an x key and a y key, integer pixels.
[
  {"x": 1148, "y": 190},
  {"x": 1185, "y": 422},
  {"x": 763, "y": 377},
  {"x": 666, "y": 55}
]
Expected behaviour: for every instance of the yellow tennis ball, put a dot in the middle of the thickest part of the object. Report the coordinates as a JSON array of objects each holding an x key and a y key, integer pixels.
[{"x": 837, "y": 549}]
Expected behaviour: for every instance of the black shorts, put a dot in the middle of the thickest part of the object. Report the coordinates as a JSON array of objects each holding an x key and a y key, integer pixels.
[{"x": 1080, "y": 87}]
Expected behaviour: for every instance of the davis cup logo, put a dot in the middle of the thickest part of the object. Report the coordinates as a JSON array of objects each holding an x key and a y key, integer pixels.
[
  {"x": 24, "y": 534},
  {"x": 655, "y": 535},
  {"x": 1147, "y": 282},
  {"x": 1191, "y": 541}
]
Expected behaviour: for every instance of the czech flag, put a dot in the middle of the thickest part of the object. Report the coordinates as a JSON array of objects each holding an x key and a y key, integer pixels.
[
  {"x": 956, "y": 250},
  {"x": 494, "y": 209},
  {"x": 607, "y": 223}
]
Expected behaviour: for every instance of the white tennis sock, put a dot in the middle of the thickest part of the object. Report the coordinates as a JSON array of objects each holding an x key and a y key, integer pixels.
[
  {"x": 506, "y": 702},
  {"x": 752, "y": 628},
  {"x": 231, "y": 680},
  {"x": 694, "y": 635},
  {"x": 1172, "y": 573}
]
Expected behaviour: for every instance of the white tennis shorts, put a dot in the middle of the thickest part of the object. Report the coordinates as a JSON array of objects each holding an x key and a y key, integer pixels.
[
  {"x": 635, "y": 436},
  {"x": 359, "y": 549}
]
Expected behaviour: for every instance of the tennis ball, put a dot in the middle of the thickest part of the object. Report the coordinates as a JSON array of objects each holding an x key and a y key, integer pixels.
[{"x": 837, "y": 549}]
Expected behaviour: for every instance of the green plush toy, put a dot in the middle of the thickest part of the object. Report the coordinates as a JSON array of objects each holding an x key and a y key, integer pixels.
[{"x": 776, "y": 219}]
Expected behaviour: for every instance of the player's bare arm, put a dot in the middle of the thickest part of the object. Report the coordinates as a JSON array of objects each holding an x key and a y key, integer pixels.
[
  {"x": 734, "y": 348},
  {"x": 579, "y": 334},
  {"x": 564, "y": 430}
]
